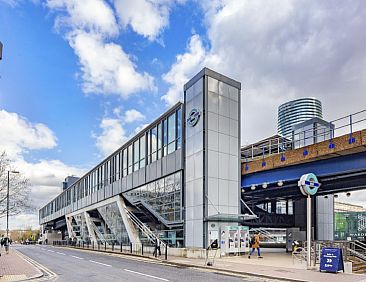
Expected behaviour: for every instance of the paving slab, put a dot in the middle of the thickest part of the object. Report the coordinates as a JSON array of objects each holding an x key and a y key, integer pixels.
[{"x": 15, "y": 267}]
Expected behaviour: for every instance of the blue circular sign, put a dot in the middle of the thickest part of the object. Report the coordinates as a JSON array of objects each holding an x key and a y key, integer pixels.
[
  {"x": 193, "y": 117},
  {"x": 309, "y": 184}
]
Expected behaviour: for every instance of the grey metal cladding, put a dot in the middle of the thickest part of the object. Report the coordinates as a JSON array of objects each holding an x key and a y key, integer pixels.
[
  {"x": 129, "y": 182},
  {"x": 170, "y": 163},
  {"x": 163, "y": 165},
  {"x": 178, "y": 159},
  {"x": 213, "y": 74},
  {"x": 159, "y": 169},
  {"x": 124, "y": 184}
]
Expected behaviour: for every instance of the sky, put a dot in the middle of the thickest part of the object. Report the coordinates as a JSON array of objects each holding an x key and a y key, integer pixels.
[{"x": 79, "y": 78}]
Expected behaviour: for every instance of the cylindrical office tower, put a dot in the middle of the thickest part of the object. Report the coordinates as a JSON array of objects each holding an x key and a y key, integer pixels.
[{"x": 297, "y": 111}]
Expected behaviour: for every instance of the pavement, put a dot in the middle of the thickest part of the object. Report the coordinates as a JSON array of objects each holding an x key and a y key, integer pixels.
[
  {"x": 276, "y": 265},
  {"x": 15, "y": 267},
  {"x": 69, "y": 264}
]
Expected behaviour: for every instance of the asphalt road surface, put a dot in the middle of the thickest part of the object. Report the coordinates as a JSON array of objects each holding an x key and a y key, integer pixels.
[{"x": 75, "y": 265}]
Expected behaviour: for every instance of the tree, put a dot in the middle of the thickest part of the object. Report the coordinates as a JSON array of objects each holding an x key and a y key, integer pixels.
[{"x": 19, "y": 189}]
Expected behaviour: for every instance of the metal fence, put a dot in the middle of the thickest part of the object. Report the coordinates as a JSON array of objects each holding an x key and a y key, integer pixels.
[
  {"x": 139, "y": 249},
  {"x": 279, "y": 145}
]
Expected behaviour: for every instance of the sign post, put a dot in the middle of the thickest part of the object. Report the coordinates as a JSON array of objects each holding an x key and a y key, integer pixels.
[{"x": 309, "y": 185}]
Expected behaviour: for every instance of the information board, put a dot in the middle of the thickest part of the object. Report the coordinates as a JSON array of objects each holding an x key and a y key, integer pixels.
[{"x": 331, "y": 260}]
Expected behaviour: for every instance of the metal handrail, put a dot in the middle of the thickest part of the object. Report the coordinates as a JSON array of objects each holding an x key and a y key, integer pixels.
[
  {"x": 280, "y": 145},
  {"x": 143, "y": 228}
]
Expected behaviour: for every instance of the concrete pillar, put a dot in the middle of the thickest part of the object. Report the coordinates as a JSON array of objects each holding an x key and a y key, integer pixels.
[
  {"x": 91, "y": 232},
  {"x": 132, "y": 232},
  {"x": 69, "y": 226}
]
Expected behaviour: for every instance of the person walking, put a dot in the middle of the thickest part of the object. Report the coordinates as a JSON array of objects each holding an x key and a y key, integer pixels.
[
  {"x": 6, "y": 244},
  {"x": 1, "y": 243},
  {"x": 254, "y": 244},
  {"x": 157, "y": 248}
]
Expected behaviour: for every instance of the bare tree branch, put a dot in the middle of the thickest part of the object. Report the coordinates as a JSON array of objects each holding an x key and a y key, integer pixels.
[{"x": 19, "y": 190}]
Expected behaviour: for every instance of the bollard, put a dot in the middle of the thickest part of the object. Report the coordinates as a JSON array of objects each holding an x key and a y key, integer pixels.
[
  {"x": 83, "y": 244},
  {"x": 112, "y": 246},
  {"x": 98, "y": 245},
  {"x": 131, "y": 248},
  {"x": 121, "y": 247},
  {"x": 105, "y": 245},
  {"x": 142, "y": 249},
  {"x": 166, "y": 252}
]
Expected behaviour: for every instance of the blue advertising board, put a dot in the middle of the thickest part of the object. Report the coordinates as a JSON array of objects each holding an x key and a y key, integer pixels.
[{"x": 331, "y": 260}]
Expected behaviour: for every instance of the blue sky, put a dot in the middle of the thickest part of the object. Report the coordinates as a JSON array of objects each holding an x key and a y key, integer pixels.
[{"x": 78, "y": 78}]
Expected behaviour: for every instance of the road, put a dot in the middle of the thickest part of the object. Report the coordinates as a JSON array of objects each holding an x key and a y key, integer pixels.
[{"x": 76, "y": 265}]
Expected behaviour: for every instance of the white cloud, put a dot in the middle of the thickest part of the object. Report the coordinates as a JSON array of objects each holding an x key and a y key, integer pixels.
[
  {"x": 146, "y": 17},
  {"x": 185, "y": 67},
  {"x": 133, "y": 115},
  {"x": 106, "y": 68},
  {"x": 113, "y": 135},
  {"x": 91, "y": 15},
  {"x": 280, "y": 51},
  {"x": 19, "y": 135}
]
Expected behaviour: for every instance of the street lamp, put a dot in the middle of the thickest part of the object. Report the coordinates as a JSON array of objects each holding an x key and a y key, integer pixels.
[{"x": 7, "y": 203}]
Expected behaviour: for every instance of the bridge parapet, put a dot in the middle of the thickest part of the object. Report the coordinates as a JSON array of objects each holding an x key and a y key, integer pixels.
[{"x": 343, "y": 145}]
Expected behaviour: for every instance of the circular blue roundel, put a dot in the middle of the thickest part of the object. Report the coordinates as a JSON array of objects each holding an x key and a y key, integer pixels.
[
  {"x": 309, "y": 184},
  {"x": 193, "y": 117}
]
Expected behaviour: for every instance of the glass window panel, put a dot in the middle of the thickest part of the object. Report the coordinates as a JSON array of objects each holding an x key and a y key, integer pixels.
[
  {"x": 281, "y": 207},
  {"x": 179, "y": 133},
  {"x": 160, "y": 141},
  {"x": 290, "y": 207},
  {"x": 153, "y": 144},
  {"x": 136, "y": 155},
  {"x": 171, "y": 147},
  {"x": 171, "y": 128},
  {"x": 124, "y": 162},
  {"x": 142, "y": 151},
  {"x": 165, "y": 137},
  {"x": 130, "y": 151}
]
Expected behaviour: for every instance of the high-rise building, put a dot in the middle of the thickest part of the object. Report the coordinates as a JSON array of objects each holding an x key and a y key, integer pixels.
[{"x": 295, "y": 112}]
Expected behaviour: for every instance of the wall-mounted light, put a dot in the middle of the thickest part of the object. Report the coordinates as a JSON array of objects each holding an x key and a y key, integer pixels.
[
  {"x": 348, "y": 194},
  {"x": 325, "y": 197},
  {"x": 280, "y": 183},
  {"x": 242, "y": 190},
  {"x": 252, "y": 187},
  {"x": 335, "y": 196},
  {"x": 264, "y": 185}
]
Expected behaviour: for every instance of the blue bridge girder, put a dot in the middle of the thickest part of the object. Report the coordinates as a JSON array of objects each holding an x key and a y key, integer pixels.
[{"x": 336, "y": 174}]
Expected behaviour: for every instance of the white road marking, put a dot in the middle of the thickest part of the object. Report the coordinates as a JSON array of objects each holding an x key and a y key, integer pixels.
[
  {"x": 77, "y": 257},
  {"x": 147, "y": 275},
  {"x": 51, "y": 251},
  {"x": 100, "y": 263},
  {"x": 61, "y": 253}
]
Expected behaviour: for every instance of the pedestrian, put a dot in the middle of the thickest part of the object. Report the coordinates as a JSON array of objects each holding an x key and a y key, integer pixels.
[
  {"x": 6, "y": 244},
  {"x": 254, "y": 244},
  {"x": 1, "y": 243},
  {"x": 157, "y": 248}
]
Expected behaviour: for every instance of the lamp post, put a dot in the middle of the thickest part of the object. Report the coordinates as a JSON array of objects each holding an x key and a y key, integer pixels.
[{"x": 7, "y": 202}]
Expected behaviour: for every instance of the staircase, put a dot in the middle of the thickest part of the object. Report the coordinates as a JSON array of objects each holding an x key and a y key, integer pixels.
[
  {"x": 150, "y": 235},
  {"x": 357, "y": 255},
  {"x": 112, "y": 218},
  {"x": 358, "y": 265}
]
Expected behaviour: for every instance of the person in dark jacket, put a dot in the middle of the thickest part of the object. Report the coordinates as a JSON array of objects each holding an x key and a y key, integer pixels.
[{"x": 157, "y": 247}]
